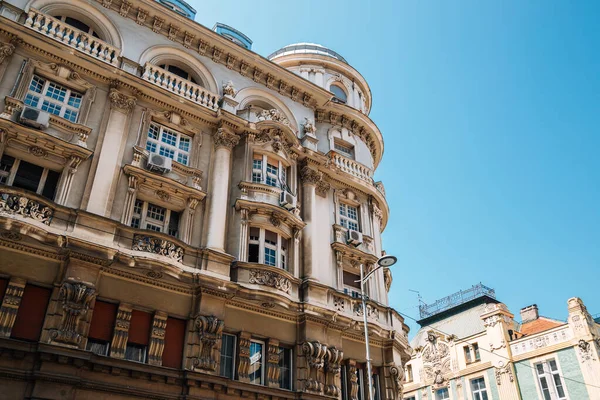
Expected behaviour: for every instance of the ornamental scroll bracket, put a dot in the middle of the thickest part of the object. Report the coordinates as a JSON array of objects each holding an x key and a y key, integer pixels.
[
  {"x": 75, "y": 298},
  {"x": 333, "y": 366},
  {"x": 314, "y": 353},
  {"x": 209, "y": 329}
]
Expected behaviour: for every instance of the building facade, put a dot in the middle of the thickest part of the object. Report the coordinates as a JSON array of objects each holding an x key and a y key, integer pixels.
[
  {"x": 470, "y": 347},
  {"x": 181, "y": 218}
]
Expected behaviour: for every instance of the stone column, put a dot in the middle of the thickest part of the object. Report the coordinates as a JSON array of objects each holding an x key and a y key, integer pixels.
[
  {"x": 157, "y": 338},
  {"x": 187, "y": 220},
  {"x": 132, "y": 188},
  {"x": 272, "y": 363},
  {"x": 74, "y": 298},
  {"x": 585, "y": 334},
  {"x": 310, "y": 178},
  {"x": 496, "y": 321},
  {"x": 121, "y": 332},
  {"x": 109, "y": 151},
  {"x": 10, "y": 305},
  {"x": 224, "y": 141},
  {"x": 66, "y": 180}
]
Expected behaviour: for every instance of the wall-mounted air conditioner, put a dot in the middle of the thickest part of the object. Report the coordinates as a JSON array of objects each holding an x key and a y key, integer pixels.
[
  {"x": 34, "y": 117},
  {"x": 287, "y": 200},
  {"x": 158, "y": 163},
  {"x": 355, "y": 237}
]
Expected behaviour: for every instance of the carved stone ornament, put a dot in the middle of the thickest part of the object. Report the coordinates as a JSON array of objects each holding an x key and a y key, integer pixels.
[
  {"x": 397, "y": 375},
  {"x": 21, "y": 205},
  {"x": 10, "y": 306},
  {"x": 504, "y": 369},
  {"x": 228, "y": 89},
  {"x": 387, "y": 279},
  {"x": 272, "y": 279},
  {"x": 76, "y": 298},
  {"x": 157, "y": 339},
  {"x": 309, "y": 127},
  {"x": 225, "y": 138},
  {"x": 121, "y": 331},
  {"x": 322, "y": 188},
  {"x": 6, "y": 50},
  {"x": 157, "y": 246},
  {"x": 209, "y": 330},
  {"x": 310, "y": 176},
  {"x": 121, "y": 101},
  {"x": 372, "y": 312},
  {"x": 141, "y": 15},
  {"x": 585, "y": 350},
  {"x": 436, "y": 359},
  {"x": 273, "y": 115},
  {"x": 333, "y": 360},
  {"x": 124, "y": 10},
  {"x": 315, "y": 353}
]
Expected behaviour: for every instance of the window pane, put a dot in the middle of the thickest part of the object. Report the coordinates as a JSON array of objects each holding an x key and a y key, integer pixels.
[
  {"x": 50, "y": 186},
  {"x": 97, "y": 347},
  {"x": 169, "y": 137},
  {"x": 254, "y": 234},
  {"x": 227, "y": 354},
  {"x": 6, "y": 164},
  {"x": 173, "y": 223},
  {"x": 153, "y": 132},
  {"x": 135, "y": 352},
  {"x": 28, "y": 176},
  {"x": 256, "y": 361},
  {"x": 339, "y": 93},
  {"x": 253, "y": 253},
  {"x": 31, "y": 100},
  {"x": 271, "y": 238},
  {"x": 56, "y": 92},
  {"x": 156, "y": 212},
  {"x": 52, "y": 108},
  {"x": 285, "y": 368},
  {"x": 37, "y": 84},
  {"x": 270, "y": 256}
]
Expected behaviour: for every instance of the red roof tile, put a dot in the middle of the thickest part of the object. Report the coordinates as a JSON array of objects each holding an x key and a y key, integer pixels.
[{"x": 539, "y": 325}]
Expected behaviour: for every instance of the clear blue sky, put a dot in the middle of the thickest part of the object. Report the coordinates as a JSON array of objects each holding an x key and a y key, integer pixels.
[{"x": 490, "y": 115}]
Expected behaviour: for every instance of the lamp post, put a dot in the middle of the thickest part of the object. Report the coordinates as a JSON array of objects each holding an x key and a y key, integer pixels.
[{"x": 385, "y": 261}]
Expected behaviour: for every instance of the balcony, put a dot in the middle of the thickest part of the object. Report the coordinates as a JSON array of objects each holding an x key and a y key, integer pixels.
[
  {"x": 271, "y": 279},
  {"x": 181, "y": 87},
  {"x": 16, "y": 203},
  {"x": 340, "y": 235},
  {"x": 351, "y": 167},
  {"x": 66, "y": 34}
]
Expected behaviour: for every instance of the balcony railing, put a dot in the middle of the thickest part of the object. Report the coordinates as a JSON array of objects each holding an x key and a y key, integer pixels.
[
  {"x": 181, "y": 87},
  {"x": 351, "y": 167},
  {"x": 458, "y": 298},
  {"x": 64, "y": 33}
]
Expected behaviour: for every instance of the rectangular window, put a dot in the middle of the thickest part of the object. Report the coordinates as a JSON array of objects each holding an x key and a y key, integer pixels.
[
  {"x": 550, "y": 381},
  {"x": 351, "y": 286},
  {"x": 31, "y": 313},
  {"x": 227, "y": 367},
  {"x": 344, "y": 382},
  {"x": 472, "y": 353},
  {"x": 256, "y": 362},
  {"x": 442, "y": 394},
  {"x": 174, "y": 339},
  {"x": 349, "y": 216},
  {"x": 285, "y": 368},
  {"x": 101, "y": 327},
  {"x": 169, "y": 143},
  {"x": 155, "y": 218},
  {"x": 267, "y": 247},
  {"x": 410, "y": 398},
  {"x": 476, "y": 352},
  {"x": 376, "y": 387},
  {"x": 139, "y": 336},
  {"x": 53, "y": 98},
  {"x": 269, "y": 171},
  {"x": 345, "y": 149},
  {"x": 409, "y": 373},
  {"x": 24, "y": 175},
  {"x": 478, "y": 389},
  {"x": 468, "y": 356}
]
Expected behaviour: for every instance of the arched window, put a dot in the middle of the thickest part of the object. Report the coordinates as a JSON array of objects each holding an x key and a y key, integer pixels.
[
  {"x": 339, "y": 93},
  {"x": 174, "y": 69},
  {"x": 78, "y": 24}
]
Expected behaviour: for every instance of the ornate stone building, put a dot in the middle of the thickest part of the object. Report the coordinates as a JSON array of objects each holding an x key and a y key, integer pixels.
[
  {"x": 471, "y": 348},
  {"x": 182, "y": 218}
]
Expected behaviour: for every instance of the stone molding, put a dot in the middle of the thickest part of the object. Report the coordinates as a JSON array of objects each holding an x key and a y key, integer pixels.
[
  {"x": 333, "y": 365},
  {"x": 75, "y": 297},
  {"x": 6, "y": 50},
  {"x": 397, "y": 376},
  {"x": 244, "y": 357},
  {"x": 272, "y": 366},
  {"x": 310, "y": 176},
  {"x": 315, "y": 354}
]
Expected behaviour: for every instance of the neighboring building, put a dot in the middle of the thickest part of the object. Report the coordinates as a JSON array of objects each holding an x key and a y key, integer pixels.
[
  {"x": 182, "y": 218},
  {"x": 469, "y": 347}
]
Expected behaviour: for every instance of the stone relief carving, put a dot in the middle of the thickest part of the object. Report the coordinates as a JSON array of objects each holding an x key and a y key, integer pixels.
[
  {"x": 585, "y": 350},
  {"x": 387, "y": 279},
  {"x": 209, "y": 331},
  {"x": 310, "y": 175},
  {"x": 504, "y": 369},
  {"x": 315, "y": 353},
  {"x": 157, "y": 246},
  {"x": 273, "y": 115},
  {"x": 333, "y": 360},
  {"x": 309, "y": 127},
  {"x": 224, "y": 138},
  {"x": 121, "y": 101},
  {"x": 21, "y": 205},
  {"x": 157, "y": 339},
  {"x": 75, "y": 298},
  {"x": 269, "y": 278},
  {"x": 339, "y": 304},
  {"x": 397, "y": 375},
  {"x": 372, "y": 312},
  {"x": 436, "y": 359},
  {"x": 10, "y": 306},
  {"x": 121, "y": 332},
  {"x": 228, "y": 89},
  {"x": 6, "y": 50},
  {"x": 273, "y": 370},
  {"x": 353, "y": 380},
  {"x": 244, "y": 355}
]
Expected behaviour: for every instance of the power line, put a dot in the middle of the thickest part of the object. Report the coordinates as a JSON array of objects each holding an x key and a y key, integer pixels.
[{"x": 501, "y": 356}]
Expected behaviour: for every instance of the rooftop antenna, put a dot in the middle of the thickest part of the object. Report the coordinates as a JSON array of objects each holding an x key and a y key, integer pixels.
[{"x": 419, "y": 298}]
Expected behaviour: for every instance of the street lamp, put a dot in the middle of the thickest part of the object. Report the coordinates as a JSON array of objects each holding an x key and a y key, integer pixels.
[{"x": 385, "y": 261}]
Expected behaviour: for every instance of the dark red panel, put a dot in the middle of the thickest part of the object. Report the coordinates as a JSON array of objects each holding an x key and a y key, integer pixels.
[
  {"x": 31, "y": 314},
  {"x": 174, "y": 340}
]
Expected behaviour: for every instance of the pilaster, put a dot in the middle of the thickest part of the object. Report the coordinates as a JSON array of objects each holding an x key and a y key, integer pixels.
[
  {"x": 310, "y": 178},
  {"x": 244, "y": 357},
  {"x": 314, "y": 359},
  {"x": 121, "y": 331},
  {"x": 10, "y": 305},
  {"x": 157, "y": 338},
  {"x": 273, "y": 363},
  {"x": 332, "y": 371}
]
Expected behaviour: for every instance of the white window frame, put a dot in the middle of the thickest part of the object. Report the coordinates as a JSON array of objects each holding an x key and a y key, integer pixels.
[
  {"x": 144, "y": 220},
  {"x": 262, "y": 360},
  {"x": 409, "y": 374},
  {"x": 90, "y": 30},
  {"x": 281, "y": 255},
  {"x": 480, "y": 392},
  {"x": 344, "y": 148},
  {"x": 233, "y": 356},
  {"x": 155, "y": 145},
  {"x": 437, "y": 394},
  {"x": 260, "y": 173},
  {"x": 550, "y": 376},
  {"x": 9, "y": 176},
  {"x": 36, "y": 99},
  {"x": 345, "y": 219}
]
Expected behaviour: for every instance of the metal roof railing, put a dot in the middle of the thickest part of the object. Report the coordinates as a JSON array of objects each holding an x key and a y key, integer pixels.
[
  {"x": 307, "y": 48},
  {"x": 455, "y": 299}
]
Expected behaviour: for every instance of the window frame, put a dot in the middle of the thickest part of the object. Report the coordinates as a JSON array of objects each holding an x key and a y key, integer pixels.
[
  {"x": 92, "y": 341},
  {"x": 142, "y": 217},
  {"x": 42, "y": 97},
  {"x": 290, "y": 367},
  {"x": 281, "y": 253},
  {"x": 263, "y": 345},
  {"x": 472, "y": 354},
  {"x": 550, "y": 376},
  {"x": 344, "y": 148},
  {"x": 8, "y": 177},
  {"x": 233, "y": 356},
  {"x": 409, "y": 373},
  {"x": 481, "y": 392},
  {"x": 438, "y": 391},
  {"x": 345, "y": 220},
  {"x": 260, "y": 171},
  {"x": 142, "y": 347},
  {"x": 159, "y": 143},
  {"x": 342, "y": 89}
]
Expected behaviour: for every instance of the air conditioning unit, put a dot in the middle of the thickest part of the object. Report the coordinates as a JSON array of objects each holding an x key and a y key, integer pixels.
[
  {"x": 35, "y": 118},
  {"x": 287, "y": 200},
  {"x": 158, "y": 163},
  {"x": 355, "y": 237}
]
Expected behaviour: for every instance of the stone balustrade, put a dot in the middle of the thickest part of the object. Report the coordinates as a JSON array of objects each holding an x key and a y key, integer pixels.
[
  {"x": 180, "y": 86},
  {"x": 351, "y": 167},
  {"x": 155, "y": 245},
  {"x": 65, "y": 33},
  {"x": 14, "y": 203}
]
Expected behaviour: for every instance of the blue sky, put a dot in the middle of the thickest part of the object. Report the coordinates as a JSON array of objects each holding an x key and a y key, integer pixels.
[{"x": 489, "y": 111}]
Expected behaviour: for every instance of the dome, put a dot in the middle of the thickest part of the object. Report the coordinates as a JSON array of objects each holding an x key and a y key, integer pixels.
[{"x": 306, "y": 48}]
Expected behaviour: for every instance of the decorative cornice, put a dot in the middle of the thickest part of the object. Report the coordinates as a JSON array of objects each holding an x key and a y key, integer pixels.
[{"x": 225, "y": 138}]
